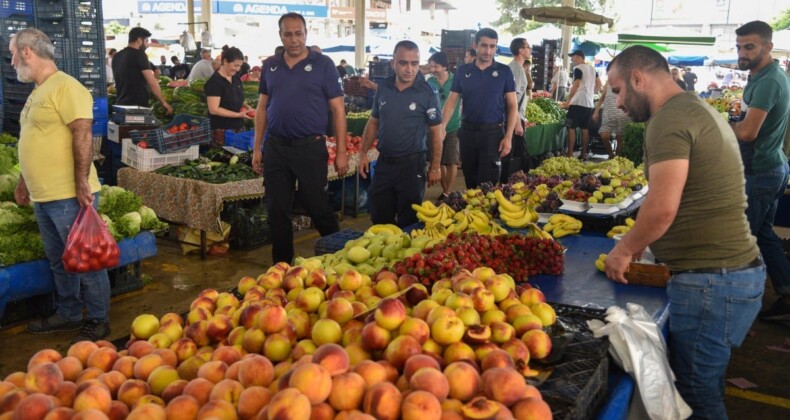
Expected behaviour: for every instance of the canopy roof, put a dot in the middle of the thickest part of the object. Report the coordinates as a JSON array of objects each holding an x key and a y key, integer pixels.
[{"x": 666, "y": 40}]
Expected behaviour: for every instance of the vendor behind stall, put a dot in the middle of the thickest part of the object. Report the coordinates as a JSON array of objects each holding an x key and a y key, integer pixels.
[
  {"x": 133, "y": 74},
  {"x": 225, "y": 96}
]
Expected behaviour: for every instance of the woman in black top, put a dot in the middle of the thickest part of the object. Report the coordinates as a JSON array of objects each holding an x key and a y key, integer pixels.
[{"x": 225, "y": 96}]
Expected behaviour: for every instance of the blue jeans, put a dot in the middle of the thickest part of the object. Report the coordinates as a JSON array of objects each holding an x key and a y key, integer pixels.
[
  {"x": 55, "y": 219},
  {"x": 763, "y": 191},
  {"x": 708, "y": 315}
]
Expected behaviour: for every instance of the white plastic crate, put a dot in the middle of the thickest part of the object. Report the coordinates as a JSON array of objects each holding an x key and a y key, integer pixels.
[{"x": 149, "y": 159}]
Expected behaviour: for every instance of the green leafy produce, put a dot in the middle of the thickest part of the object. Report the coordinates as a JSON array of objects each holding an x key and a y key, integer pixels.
[
  {"x": 536, "y": 115},
  {"x": 111, "y": 227},
  {"x": 633, "y": 141},
  {"x": 15, "y": 219},
  {"x": 551, "y": 108},
  {"x": 129, "y": 224},
  {"x": 8, "y": 159},
  {"x": 149, "y": 220},
  {"x": 20, "y": 247},
  {"x": 209, "y": 171},
  {"x": 6, "y": 138},
  {"x": 116, "y": 202},
  {"x": 8, "y": 184}
]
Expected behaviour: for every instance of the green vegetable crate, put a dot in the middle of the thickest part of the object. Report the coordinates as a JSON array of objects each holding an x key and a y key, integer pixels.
[
  {"x": 149, "y": 159},
  {"x": 249, "y": 224},
  {"x": 184, "y": 131}
]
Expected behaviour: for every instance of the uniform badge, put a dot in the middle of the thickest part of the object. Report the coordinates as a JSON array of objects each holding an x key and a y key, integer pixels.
[
  {"x": 495, "y": 73},
  {"x": 432, "y": 113},
  {"x": 468, "y": 74},
  {"x": 273, "y": 68},
  {"x": 412, "y": 106},
  {"x": 308, "y": 67}
]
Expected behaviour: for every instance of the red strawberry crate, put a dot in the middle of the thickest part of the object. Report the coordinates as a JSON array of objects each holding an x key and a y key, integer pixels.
[{"x": 184, "y": 131}]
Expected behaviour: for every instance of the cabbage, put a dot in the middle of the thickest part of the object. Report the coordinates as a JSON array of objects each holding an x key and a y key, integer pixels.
[
  {"x": 111, "y": 227},
  {"x": 128, "y": 225},
  {"x": 149, "y": 220},
  {"x": 116, "y": 202}
]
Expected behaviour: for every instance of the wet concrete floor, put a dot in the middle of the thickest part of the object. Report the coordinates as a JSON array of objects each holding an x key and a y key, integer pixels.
[{"x": 175, "y": 280}]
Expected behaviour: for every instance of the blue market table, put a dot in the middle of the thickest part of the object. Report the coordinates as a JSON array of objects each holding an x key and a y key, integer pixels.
[{"x": 582, "y": 285}]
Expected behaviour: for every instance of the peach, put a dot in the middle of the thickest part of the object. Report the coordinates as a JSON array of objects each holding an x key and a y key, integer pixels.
[
  {"x": 372, "y": 372},
  {"x": 145, "y": 325},
  {"x": 531, "y": 297},
  {"x": 482, "y": 350},
  {"x": 326, "y": 331},
  {"x": 348, "y": 390},
  {"x": 431, "y": 380},
  {"x": 168, "y": 356},
  {"x": 131, "y": 390},
  {"x": 199, "y": 389},
  {"x": 6, "y": 387},
  {"x": 150, "y": 399},
  {"x": 503, "y": 385},
  {"x": 161, "y": 377},
  {"x": 438, "y": 312},
  {"x": 88, "y": 374},
  {"x": 316, "y": 278},
  {"x": 303, "y": 348},
  {"x": 113, "y": 380},
  {"x": 88, "y": 383},
  {"x": 44, "y": 356},
  {"x": 226, "y": 390},
  {"x": 252, "y": 340},
  {"x": 333, "y": 358},
  {"x": 386, "y": 286},
  {"x": 182, "y": 407},
  {"x": 249, "y": 316},
  {"x": 214, "y": 371},
  {"x": 416, "y": 293},
  {"x": 140, "y": 348},
  {"x": 146, "y": 365},
  {"x": 227, "y": 354},
  {"x": 160, "y": 341},
  {"x": 189, "y": 368},
  {"x": 447, "y": 330},
  {"x": 422, "y": 309},
  {"x": 501, "y": 332},
  {"x": 252, "y": 400},
  {"x": 236, "y": 336},
  {"x": 81, "y": 350},
  {"x": 401, "y": 349},
  {"x": 493, "y": 315},
  {"x": 406, "y": 280},
  {"x": 233, "y": 371},
  {"x": 125, "y": 365},
  {"x": 383, "y": 401},
  {"x": 351, "y": 280},
  {"x": 516, "y": 349},
  {"x": 483, "y": 299},
  {"x": 198, "y": 332},
  {"x": 440, "y": 296},
  {"x": 118, "y": 410},
  {"x": 458, "y": 351},
  {"x": 390, "y": 369},
  {"x": 11, "y": 399},
  {"x": 289, "y": 404},
  {"x": 218, "y": 328},
  {"x": 44, "y": 377},
  {"x": 93, "y": 397},
  {"x": 148, "y": 411},
  {"x": 102, "y": 358},
  {"x": 356, "y": 354},
  {"x": 277, "y": 347},
  {"x": 245, "y": 284},
  {"x": 498, "y": 286},
  {"x": 322, "y": 411},
  {"x": 524, "y": 323},
  {"x": 433, "y": 348},
  {"x": 463, "y": 380},
  {"x": 256, "y": 371},
  {"x": 171, "y": 316},
  {"x": 468, "y": 315},
  {"x": 313, "y": 381},
  {"x": 545, "y": 312},
  {"x": 90, "y": 414},
  {"x": 416, "y": 328},
  {"x": 184, "y": 348},
  {"x": 497, "y": 358},
  {"x": 339, "y": 310},
  {"x": 359, "y": 307},
  {"x": 34, "y": 406},
  {"x": 60, "y": 413},
  {"x": 375, "y": 337},
  {"x": 272, "y": 319},
  {"x": 419, "y": 405},
  {"x": 390, "y": 314},
  {"x": 174, "y": 389},
  {"x": 310, "y": 299},
  {"x": 531, "y": 408},
  {"x": 417, "y": 362},
  {"x": 538, "y": 343},
  {"x": 270, "y": 280}
]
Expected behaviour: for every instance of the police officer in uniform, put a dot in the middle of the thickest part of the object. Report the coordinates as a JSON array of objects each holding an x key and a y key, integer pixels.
[
  {"x": 405, "y": 113},
  {"x": 298, "y": 89},
  {"x": 488, "y": 111}
]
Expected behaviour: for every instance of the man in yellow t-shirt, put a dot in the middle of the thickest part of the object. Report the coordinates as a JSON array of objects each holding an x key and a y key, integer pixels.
[{"x": 58, "y": 177}]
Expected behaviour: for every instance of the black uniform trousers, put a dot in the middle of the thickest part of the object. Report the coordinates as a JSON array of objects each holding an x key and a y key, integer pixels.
[
  {"x": 398, "y": 182},
  {"x": 286, "y": 161},
  {"x": 480, "y": 158}
]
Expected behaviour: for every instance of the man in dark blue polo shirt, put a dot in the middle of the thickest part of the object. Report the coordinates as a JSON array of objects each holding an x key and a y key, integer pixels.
[
  {"x": 405, "y": 113},
  {"x": 488, "y": 111},
  {"x": 298, "y": 89}
]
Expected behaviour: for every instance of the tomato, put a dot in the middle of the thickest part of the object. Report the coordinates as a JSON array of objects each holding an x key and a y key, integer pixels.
[
  {"x": 70, "y": 264},
  {"x": 183, "y": 127},
  {"x": 82, "y": 267},
  {"x": 95, "y": 264},
  {"x": 143, "y": 144}
]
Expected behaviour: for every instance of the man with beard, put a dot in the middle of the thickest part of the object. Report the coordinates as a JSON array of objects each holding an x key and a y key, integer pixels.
[
  {"x": 761, "y": 133},
  {"x": 488, "y": 111},
  {"x": 59, "y": 179},
  {"x": 693, "y": 220},
  {"x": 133, "y": 74},
  {"x": 405, "y": 114},
  {"x": 298, "y": 89}
]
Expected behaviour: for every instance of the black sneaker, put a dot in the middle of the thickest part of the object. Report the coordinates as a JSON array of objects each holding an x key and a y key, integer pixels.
[
  {"x": 92, "y": 331},
  {"x": 779, "y": 311},
  {"x": 54, "y": 323}
]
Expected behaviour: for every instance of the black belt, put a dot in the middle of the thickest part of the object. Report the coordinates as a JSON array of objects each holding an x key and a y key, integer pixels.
[
  {"x": 294, "y": 141},
  {"x": 757, "y": 262},
  {"x": 481, "y": 127},
  {"x": 399, "y": 159}
]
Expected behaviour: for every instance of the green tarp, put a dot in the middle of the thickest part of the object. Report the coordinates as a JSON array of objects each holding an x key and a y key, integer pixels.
[{"x": 665, "y": 40}]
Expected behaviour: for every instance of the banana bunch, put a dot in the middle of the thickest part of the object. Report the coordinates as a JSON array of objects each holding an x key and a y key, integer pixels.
[
  {"x": 496, "y": 229},
  {"x": 600, "y": 263},
  {"x": 478, "y": 221},
  {"x": 536, "y": 232},
  {"x": 621, "y": 229},
  {"x": 432, "y": 230},
  {"x": 388, "y": 228},
  {"x": 427, "y": 212},
  {"x": 561, "y": 225},
  {"x": 520, "y": 218}
]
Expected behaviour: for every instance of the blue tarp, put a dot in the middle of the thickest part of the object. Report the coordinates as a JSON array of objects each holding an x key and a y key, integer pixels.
[{"x": 687, "y": 60}]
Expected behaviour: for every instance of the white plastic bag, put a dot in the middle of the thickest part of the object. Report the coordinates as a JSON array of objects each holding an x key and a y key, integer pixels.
[{"x": 637, "y": 345}]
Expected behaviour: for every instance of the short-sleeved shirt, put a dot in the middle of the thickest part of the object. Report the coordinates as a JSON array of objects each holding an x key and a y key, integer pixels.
[
  {"x": 298, "y": 97},
  {"x": 231, "y": 97},
  {"x": 444, "y": 91},
  {"x": 180, "y": 71},
  {"x": 584, "y": 94},
  {"x": 769, "y": 90},
  {"x": 203, "y": 69},
  {"x": 404, "y": 116},
  {"x": 710, "y": 229},
  {"x": 483, "y": 92},
  {"x": 690, "y": 78},
  {"x": 520, "y": 77},
  {"x": 46, "y": 153},
  {"x": 127, "y": 69}
]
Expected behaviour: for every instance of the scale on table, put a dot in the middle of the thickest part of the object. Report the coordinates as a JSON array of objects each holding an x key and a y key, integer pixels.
[{"x": 132, "y": 114}]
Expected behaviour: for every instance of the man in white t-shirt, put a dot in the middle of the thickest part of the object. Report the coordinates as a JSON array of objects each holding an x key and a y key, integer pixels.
[
  {"x": 203, "y": 69},
  {"x": 580, "y": 102}
]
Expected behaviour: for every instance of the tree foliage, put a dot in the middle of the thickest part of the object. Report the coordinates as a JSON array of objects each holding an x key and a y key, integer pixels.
[
  {"x": 115, "y": 28},
  {"x": 510, "y": 20},
  {"x": 781, "y": 21}
]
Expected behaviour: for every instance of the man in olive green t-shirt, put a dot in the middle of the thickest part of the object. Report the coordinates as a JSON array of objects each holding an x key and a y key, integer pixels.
[
  {"x": 693, "y": 220},
  {"x": 761, "y": 134}
]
